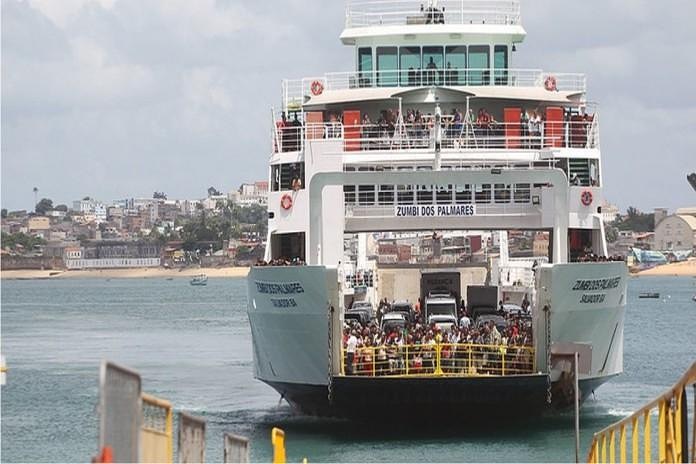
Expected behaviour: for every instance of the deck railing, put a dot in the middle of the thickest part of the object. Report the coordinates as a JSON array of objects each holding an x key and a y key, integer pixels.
[
  {"x": 672, "y": 430},
  {"x": 582, "y": 133},
  {"x": 439, "y": 359},
  {"x": 297, "y": 91},
  {"x": 363, "y": 13}
]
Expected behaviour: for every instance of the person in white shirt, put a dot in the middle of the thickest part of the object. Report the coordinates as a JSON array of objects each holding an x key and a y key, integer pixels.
[
  {"x": 351, "y": 347},
  {"x": 465, "y": 322}
]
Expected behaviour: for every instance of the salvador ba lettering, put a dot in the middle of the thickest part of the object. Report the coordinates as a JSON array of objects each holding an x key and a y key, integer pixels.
[
  {"x": 593, "y": 285},
  {"x": 283, "y": 290}
]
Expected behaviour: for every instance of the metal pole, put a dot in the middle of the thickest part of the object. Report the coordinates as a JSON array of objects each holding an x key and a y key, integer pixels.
[{"x": 577, "y": 408}]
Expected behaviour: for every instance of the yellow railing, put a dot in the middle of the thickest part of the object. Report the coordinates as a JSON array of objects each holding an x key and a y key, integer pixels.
[
  {"x": 443, "y": 359},
  {"x": 156, "y": 437},
  {"x": 672, "y": 430}
]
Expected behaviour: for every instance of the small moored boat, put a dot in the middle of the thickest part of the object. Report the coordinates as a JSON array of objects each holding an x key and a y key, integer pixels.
[
  {"x": 200, "y": 279},
  {"x": 649, "y": 295}
]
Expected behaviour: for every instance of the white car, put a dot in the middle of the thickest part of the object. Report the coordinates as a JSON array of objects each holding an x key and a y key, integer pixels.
[
  {"x": 444, "y": 322},
  {"x": 391, "y": 321}
]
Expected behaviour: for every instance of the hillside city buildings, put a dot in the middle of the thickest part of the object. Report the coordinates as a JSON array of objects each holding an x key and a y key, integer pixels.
[{"x": 125, "y": 232}]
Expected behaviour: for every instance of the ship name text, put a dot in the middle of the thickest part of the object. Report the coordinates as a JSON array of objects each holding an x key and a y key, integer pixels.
[{"x": 435, "y": 211}]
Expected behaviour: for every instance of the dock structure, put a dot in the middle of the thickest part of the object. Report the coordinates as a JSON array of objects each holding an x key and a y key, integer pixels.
[{"x": 676, "y": 422}]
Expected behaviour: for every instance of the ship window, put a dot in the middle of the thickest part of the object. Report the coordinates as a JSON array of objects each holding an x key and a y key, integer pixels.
[
  {"x": 385, "y": 196},
  {"x": 404, "y": 194},
  {"x": 502, "y": 193},
  {"x": 483, "y": 193},
  {"x": 366, "y": 195},
  {"x": 410, "y": 63},
  {"x": 462, "y": 194},
  {"x": 433, "y": 65},
  {"x": 288, "y": 246},
  {"x": 455, "y": 64},
  {"x": 365, "y": 66},
  {"x": 500, "y": 63},
  {"x": 424, "y": 195},
  {"x": 387, "y": 66},
  {"x": 522, "y": 193},
  {"x": 443, "y": 196},
  {"x": 479, "y": 62},
  {"x": 289, "y": 176}
]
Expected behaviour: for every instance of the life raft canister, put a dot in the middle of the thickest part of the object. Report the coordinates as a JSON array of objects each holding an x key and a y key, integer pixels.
[
  {"x": 550, "y": 84},
  {"x": 586, "y": 198},
  {"x": 317, "y": 88},
  {"x": 286, "y": 202}
]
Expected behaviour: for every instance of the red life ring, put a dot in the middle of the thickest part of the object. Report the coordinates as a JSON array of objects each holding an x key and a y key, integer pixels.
[
  {"x": 286, "y": 202},
  {"x": 550, "y": 84},
  {"x": 317, "y": 88},
  {"x": 586, "y": 198}
]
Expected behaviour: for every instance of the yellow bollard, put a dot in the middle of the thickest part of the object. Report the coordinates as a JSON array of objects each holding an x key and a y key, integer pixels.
[{"x": 278, "y": 442}]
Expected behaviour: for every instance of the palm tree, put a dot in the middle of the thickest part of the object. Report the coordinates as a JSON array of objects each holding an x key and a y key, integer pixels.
[{"x": 36, "y": 191}]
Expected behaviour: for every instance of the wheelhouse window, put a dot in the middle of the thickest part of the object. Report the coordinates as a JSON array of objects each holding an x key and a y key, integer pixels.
[
  {"x": 288, "y": 176},
  {"x": 462, "y": 194},
  {"x": 502, "y": 193},
  {"x": 443, "y": 196},
  {"x": 483, "y": 193},
  {"x": 410, "y": 64},
  {"x": 479, "y": 64},
  {"x": 433, "y": 65},
  {"x": 387, "y": 66},
  {"x": 522, "y": 193},
  {"x": 455, "y": 58},
  {"x": 500, "y": 63},
  {"x": 365, "y": 66}
]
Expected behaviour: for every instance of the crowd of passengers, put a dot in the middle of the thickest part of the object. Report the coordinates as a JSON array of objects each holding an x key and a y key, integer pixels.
[
  {"x": 414, "y": 130},
  {"x": 467, "y": 347},
  {"x": 282, "y": 261}
]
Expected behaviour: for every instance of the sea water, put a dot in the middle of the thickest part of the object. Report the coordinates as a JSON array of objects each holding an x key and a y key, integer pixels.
[{"x": 192, "y": 346}]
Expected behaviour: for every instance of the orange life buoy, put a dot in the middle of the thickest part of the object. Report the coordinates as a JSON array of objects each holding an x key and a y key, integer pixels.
[
  {"x": 550, "y": 84},
  {"x": 286, "y": 202},
  {"x": 586, "y": 198},
  {"x": 317, "y": 88}
]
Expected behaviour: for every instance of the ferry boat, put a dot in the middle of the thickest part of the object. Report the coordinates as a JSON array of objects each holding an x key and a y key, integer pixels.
[{"x": 434, "y": 132}]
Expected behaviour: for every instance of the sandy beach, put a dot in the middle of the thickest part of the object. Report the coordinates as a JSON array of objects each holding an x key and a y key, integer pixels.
[
  {"x": 685, "y": 268},
  {"x": 135, "y": 273}
]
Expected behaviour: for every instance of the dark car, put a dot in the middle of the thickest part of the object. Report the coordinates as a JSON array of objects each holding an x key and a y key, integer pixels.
[
  {"x": 499, "y": 321},
  {"x": 363, "y": 306},
  {"x": 358, "y": 316},
  {"x": 402, "y": 307}
]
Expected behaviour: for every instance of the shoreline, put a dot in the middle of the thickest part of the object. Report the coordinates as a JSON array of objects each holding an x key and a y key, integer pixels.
[
  {"x": 127, "y": 273},
  {"x": 681, "y": 269}
]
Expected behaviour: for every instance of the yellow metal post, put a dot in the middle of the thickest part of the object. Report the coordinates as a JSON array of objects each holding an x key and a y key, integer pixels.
[
  {"x": 278, "y": 442},
  {"x": 647, "y": 455},
  {"x": 634, "y": 439},
  {"x": 678, "y": 435},
  {"x": 374, "y": 361},
  {"x": 661, "y": 435},
  {"x": 604, "y": 448},
  {"x": 612, "y": 446},
  {"x": 622, "y": 443},
  {"x": 438, "y": 368},
  {"x": 406, "y": 359}
]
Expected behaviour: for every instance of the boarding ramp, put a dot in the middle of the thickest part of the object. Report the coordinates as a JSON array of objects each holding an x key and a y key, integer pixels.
[
  {"x": 674, "y": 417},
  {"x": 156, "y": 436},
  {"x": 236, "y": 448},
  {"x": 120, "y": 413},
  {"x": 191, "y": 439}
]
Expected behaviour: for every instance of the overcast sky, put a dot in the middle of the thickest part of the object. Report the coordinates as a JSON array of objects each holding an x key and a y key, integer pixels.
[{"x": 119, "y": 98}]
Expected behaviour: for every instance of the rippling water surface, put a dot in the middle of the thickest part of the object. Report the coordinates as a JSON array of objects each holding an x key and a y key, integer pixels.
[{"x": 192, "y": 345}]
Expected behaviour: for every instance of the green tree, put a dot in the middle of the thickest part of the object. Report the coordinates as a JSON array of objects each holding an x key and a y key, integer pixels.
[
  {"x": 611, "y": 233},
  {"x": 63, "y": 208},
  {"x": 43, "y": 206}
]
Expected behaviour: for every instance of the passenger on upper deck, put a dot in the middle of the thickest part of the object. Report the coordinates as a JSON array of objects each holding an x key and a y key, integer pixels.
[{"x": 431, "y": 72}]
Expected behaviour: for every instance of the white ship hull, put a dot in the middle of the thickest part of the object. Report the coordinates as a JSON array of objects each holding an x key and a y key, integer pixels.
[{"x": 289, "y": 313}]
